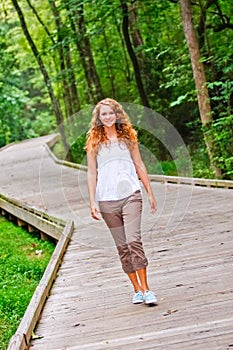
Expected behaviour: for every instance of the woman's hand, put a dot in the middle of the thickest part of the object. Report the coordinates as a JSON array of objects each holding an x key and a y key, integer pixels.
[
  {"x": 95, "y": 213},
  {"x": 153, "y": 204}
]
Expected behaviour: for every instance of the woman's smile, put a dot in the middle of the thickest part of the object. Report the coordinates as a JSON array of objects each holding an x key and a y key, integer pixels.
[{"x": 107, "y": 116}]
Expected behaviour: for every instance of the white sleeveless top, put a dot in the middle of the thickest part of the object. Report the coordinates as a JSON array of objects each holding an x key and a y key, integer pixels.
[{"x": 117, "y": 177}]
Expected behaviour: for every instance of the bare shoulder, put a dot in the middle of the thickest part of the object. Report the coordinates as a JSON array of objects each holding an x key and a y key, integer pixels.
[{"x": 88, "y": 146}]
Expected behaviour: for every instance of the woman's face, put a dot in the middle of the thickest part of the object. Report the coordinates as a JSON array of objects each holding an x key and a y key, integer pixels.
[{"x": 107, "y": 116}]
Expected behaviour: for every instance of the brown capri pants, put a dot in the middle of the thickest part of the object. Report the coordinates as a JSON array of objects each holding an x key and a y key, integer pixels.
[{"x": 123, "y": 218}]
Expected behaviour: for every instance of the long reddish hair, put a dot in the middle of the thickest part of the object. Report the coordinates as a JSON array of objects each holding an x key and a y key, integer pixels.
[{"x": 96, "y": 134}]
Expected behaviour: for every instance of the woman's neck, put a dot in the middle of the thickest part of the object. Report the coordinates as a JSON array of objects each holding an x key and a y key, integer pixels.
[{"x": 111, "y": 133}]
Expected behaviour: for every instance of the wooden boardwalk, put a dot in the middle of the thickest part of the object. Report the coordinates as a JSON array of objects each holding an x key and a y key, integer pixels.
[{"x": 189, "y": 243}]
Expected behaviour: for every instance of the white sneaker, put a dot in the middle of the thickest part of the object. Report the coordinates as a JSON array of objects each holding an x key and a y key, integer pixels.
[
  {"x": 138, "y": 298},
  {"x": 149, "y": 297}
]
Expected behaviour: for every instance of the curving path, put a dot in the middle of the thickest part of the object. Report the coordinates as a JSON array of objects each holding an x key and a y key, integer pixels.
[{"x": 189, "y": 245}]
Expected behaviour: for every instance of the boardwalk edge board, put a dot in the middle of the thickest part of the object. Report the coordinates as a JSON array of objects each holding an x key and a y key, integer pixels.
[
  {"x": 49, "y": 145},
  {"x": 159, "y": 178},
  {"x": 45, "y": 223},
  {"x": 21, "y": 339}
]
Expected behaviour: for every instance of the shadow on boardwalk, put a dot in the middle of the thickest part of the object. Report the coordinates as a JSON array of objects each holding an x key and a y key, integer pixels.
[{"x": 190, "y": 249}]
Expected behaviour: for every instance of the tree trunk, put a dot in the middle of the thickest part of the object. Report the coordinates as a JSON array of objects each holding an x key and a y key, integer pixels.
[
  {"x": 199, "y": 78},
  {"x": 133, "y": 25},
  {"x": 40, "y": 21},
  {"x": 145, "y": 62},
  {"x": 64, "y": 54},
  {"x": 55, "y": 104},
  {"x": 109, "y": 66},
  {"x": 133, "y": 57},
  {"x": 126, "y": 63},
  {"x": 137, "y": 42},
  {"x": 77, "y": 22},
  {"x": 61, "y": 53},
  {"x": 86, "y": 56},
  {"x": 72, "y": 82}
]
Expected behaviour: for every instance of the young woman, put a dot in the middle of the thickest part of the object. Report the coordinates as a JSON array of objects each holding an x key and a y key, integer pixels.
[{"x": 114, "y": 169}]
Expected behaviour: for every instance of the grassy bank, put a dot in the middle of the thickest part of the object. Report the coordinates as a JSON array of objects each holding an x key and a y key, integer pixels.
[{"x": 23, "y": 259}]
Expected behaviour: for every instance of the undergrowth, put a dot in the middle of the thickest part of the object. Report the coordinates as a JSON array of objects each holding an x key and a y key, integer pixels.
[{"x": 23, "y": 259}]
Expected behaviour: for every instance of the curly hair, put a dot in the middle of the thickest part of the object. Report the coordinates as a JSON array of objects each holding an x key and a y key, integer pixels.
[{"x": 96, "y": 134}]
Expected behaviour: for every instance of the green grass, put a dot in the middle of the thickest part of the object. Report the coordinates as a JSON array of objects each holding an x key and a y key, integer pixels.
[{"x": 23, "y": 259}]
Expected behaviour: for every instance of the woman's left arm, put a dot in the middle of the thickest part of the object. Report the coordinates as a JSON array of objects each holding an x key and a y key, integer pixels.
[{"x": 143, "y": 176}]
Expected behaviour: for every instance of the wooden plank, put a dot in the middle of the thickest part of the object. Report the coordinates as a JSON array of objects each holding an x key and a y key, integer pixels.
[
  {"x": 30, "y": 228},
  {"x": 18, "y": 342},
  {"x": 20, "y": 222}
]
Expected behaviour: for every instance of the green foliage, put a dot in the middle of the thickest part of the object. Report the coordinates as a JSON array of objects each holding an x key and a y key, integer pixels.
[
  {"x": 23, "y": 259},
  {"x": 43, "y": 124},
  {"x": 163, "y": 168},
  {"x": 200, "y": 162},
  {"x": 148, "y": 140},
  {"x": 161, "y": 51},
  {"x": 78, "y": 150},
  {"x": 12, "y": 98},
  {"x": 58, "y": 150},
  {"x": 222, "y": 134},
  {"x": 221, "y": 130},
  {"x": 23, "y": 110}
]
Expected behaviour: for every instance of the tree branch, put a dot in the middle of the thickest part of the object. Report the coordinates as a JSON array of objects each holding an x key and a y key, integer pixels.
[{"x": 40, "y": 21}]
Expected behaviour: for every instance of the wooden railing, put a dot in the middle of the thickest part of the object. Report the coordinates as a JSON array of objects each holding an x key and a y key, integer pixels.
[
  {"x": 33, "y": 218},
  {"x": 192, "y": 181},
  {"x": 48, "y": 146},
  {"x": 159, "y": 178},
  {"x": 61, "y": 231}
]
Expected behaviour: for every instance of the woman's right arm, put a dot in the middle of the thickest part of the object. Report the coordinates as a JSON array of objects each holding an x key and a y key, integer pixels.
[{"x": 91, "y": 183}]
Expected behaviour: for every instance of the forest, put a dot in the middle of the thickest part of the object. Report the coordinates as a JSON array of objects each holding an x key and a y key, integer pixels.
[{"x": 169, "y": 61}]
